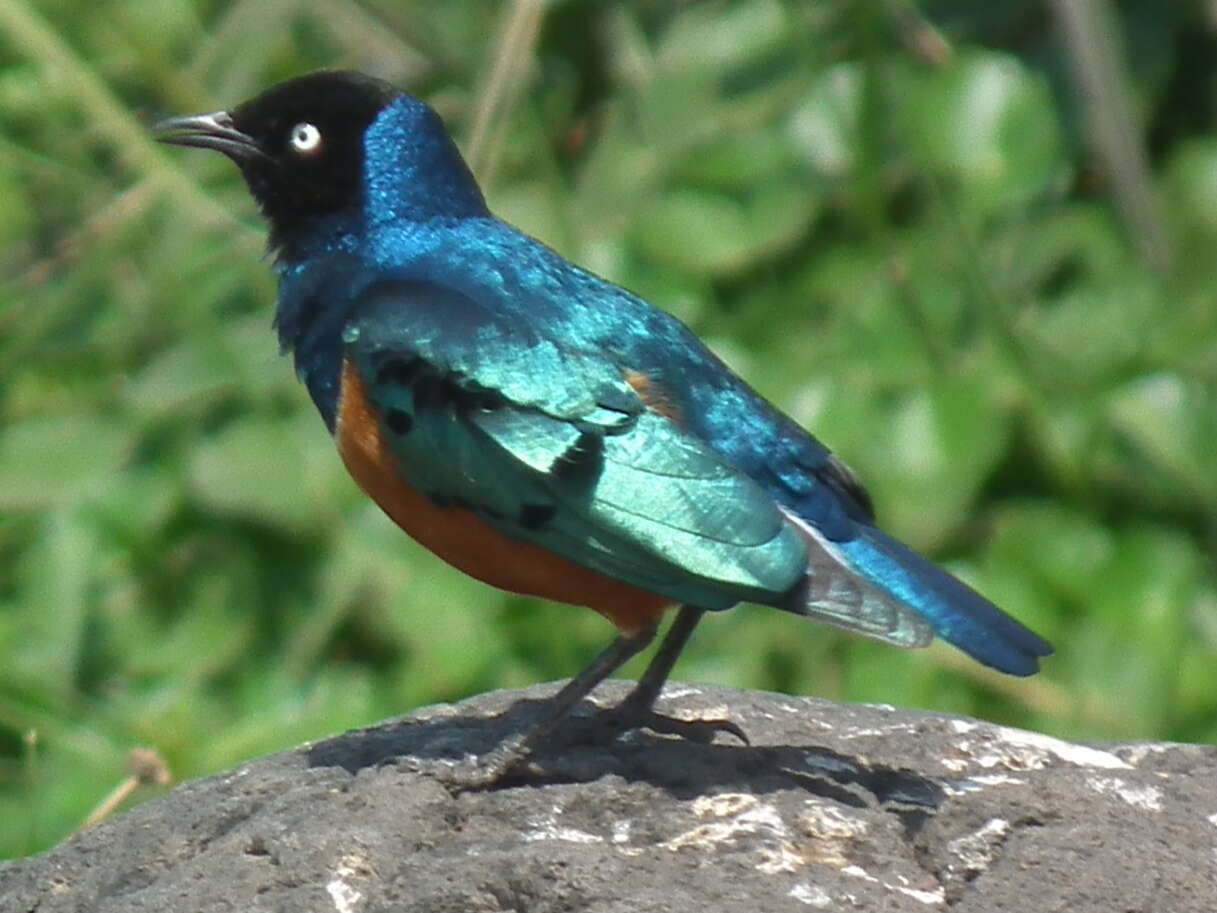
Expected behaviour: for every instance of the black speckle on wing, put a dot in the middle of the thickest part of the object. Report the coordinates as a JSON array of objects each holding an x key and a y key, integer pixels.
[
  {"x": 535, "y": 516},
  {"x": 399, "y": 421},
  {"x": 581, "y": 464},
  {"x": 431, "y": 391},
  {"x": 478, "y": 350},
  {"x": 393, "y": 369},
  {"x": 429, "y": 388}
]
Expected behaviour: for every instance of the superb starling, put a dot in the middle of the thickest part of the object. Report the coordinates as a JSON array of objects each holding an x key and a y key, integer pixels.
[{"x": 542, "y": 429}]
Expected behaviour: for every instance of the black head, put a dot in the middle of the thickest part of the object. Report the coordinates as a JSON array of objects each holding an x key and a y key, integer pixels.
[{"x": 299, "y": 144}]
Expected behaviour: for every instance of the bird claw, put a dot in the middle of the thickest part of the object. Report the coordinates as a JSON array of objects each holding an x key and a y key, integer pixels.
[
  {"x": 475, "y": 772},
  {"x": 486, "y": 771},
  {"x": 513, "y": 756},
  {"x": 629, "y": 716}
]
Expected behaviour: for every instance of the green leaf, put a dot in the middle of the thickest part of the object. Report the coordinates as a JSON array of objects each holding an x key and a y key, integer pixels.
[
  {"x": 272, "y": 471},
  {"x": 718, "y": 39},
  {"x": 824, "y": 125},
  {"x": 988, "y": 122},
  {"x": 1191, "y": 182},
  {"x": 923, "y": 454},
  {"x": 45, "y": 651},
  {"x": 1173, "y": 422},
  {"x": 703, "y": 232},
  {"x": 58, "y": 460}
]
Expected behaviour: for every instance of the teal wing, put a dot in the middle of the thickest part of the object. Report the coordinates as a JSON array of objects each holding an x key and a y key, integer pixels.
[{"x": 551, "y": 446}]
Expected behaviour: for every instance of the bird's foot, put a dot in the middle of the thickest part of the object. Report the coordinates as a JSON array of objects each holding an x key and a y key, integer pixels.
[
  {"x": 639, "y": 714},
  {"x": 513, "y": 757},
  {"x": 476, "y": 772}
]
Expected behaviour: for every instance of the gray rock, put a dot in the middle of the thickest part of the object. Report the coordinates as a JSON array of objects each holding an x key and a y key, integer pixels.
[{"x": 832, "y": 807}]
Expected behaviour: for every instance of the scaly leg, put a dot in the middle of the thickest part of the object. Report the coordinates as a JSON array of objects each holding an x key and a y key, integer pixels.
[
  {"x": 645, "y": 693},
  {"x": 638, "y": 707},
  {"x": 635, "y": 710},
  {"x": 491, "y": 767}
]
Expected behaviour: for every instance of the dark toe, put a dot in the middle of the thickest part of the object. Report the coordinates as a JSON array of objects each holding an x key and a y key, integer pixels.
[{"x": 628, "y": 716}]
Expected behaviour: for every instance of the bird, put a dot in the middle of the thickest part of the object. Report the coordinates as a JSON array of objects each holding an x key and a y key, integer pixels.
[{"x": 542, "y": 429}]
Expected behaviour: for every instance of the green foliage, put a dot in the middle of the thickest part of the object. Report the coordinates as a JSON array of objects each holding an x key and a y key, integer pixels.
[{"x": 901, "y": 236}]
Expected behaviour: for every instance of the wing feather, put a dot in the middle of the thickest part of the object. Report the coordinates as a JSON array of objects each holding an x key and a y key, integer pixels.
[{"x": 554, "y": 448}]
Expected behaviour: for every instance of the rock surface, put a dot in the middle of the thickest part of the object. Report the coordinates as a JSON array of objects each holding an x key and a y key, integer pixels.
[{"x": 832, "y": 807}]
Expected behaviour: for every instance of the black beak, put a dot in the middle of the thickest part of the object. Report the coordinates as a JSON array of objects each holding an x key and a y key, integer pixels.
[{"x": 210, "y": 131}]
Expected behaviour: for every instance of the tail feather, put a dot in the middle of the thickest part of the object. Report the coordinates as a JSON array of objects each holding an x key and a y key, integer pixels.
[
  {"x": 832, "y": 591},
  {"x": 874, "y": 585},
  {"x": 957, "y": 613}
]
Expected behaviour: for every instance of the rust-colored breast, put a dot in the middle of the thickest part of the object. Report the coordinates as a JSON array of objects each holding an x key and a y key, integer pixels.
[{"x": 461, "y": 538}]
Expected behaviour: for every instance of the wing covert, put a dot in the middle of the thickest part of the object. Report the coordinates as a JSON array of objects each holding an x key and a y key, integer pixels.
[{"x": 552, "y": 446}]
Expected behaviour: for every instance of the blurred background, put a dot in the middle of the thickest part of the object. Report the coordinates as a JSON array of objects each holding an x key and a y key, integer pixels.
[{"x": 970, "y": 245}]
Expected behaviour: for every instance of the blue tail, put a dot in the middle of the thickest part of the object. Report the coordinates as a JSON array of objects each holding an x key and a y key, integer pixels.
[{"x": 957, "y": 613}]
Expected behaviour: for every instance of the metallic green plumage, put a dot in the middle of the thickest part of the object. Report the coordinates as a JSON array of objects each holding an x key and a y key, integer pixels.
[{"x": 579, "y": 467}]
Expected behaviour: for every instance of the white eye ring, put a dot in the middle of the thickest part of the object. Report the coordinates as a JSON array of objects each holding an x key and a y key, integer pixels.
[{"x": 305, "y": 138}]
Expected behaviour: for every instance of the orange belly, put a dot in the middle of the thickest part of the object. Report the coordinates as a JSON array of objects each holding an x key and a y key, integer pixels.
[{"x": 461, "y": 538}]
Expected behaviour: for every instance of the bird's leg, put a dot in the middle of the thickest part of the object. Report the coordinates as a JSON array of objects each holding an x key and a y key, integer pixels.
[
  {"x": 636, "y": 710},
  {"x": 638, "y": 707},
  {"x": 513, "y": 752},
  {"x": 646, "y": 692}
]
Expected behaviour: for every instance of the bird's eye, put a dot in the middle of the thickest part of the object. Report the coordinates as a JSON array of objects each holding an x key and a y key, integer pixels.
[{"x": 305, "y": 138}]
